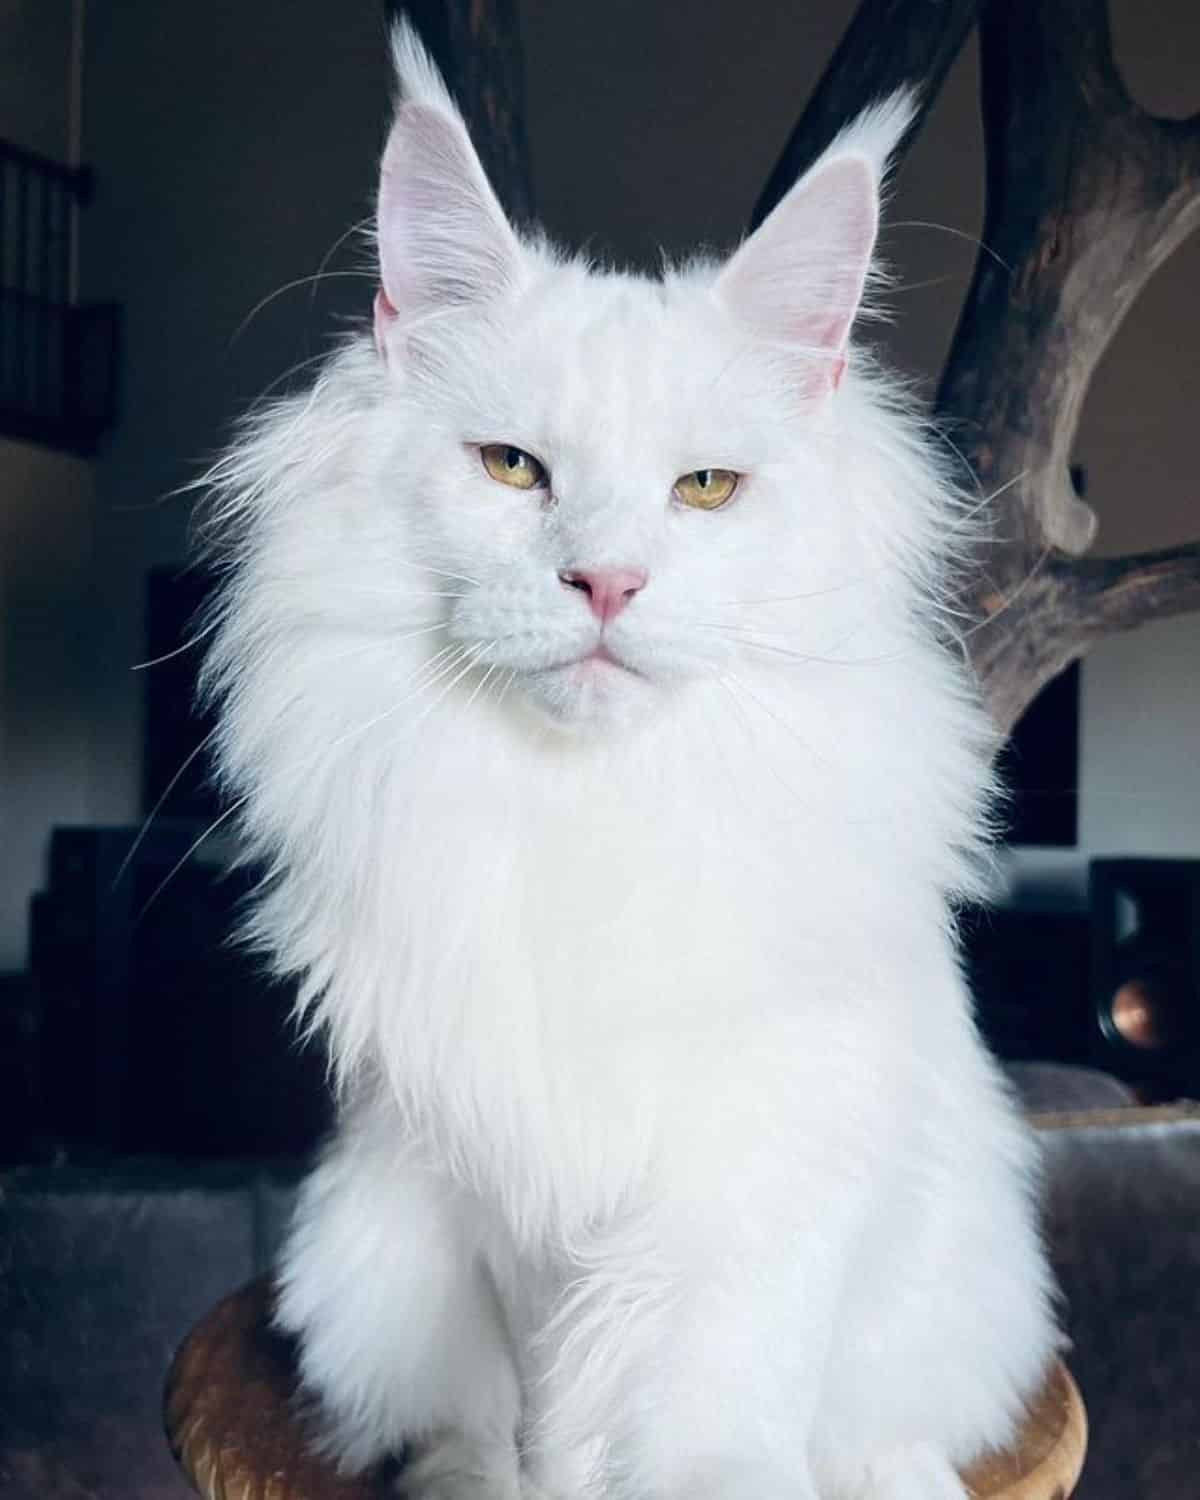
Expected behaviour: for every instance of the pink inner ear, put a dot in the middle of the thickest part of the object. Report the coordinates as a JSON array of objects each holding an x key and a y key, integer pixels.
[
  {"x": 443, "y": 238},
  {"x": 799, "y": 278},
  {"x": 385, "y": 316}
]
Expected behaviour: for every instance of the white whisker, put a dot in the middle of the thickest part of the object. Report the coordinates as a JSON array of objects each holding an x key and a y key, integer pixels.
[
  {"x": 482, "y": 683},
  {"x": 505, "y": 685},
  {"x": 1038, "y": 565},
  {"x": 745, "y": 636},
  {"x": 787, "y": 728},
  {"x": 191, "y": 849},
  {"x": 960, "y": 234},
  {"x": 371, "y": 592},
  {"x": 730, "y": 684},
  {"x": 834, "y": 588},
  {"x": 463, "y": 665},
  {"x": 474, "y": 653},
  {"x": 290, "y": 286},
  {"x": 381, "y": 643},
  {"x": 410, "y": 562},
  {"x": 157, "y": 808},
  {"x": 982, "y": 504},
  {"x": 356, "y": 228},
  {"x": 157, "y": 661},
  {"x": 262, "y": 399}
]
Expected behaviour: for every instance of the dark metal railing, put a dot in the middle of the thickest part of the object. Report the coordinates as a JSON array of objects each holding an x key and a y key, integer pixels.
[{"x": 57, "y": 359}]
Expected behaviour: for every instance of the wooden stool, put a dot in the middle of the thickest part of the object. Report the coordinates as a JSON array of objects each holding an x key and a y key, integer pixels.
[{"x": 231, "y": 1421}]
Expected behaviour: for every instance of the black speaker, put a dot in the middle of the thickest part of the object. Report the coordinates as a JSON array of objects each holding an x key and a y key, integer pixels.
[
  {"x": 1145, "y": 971},
  {"x": 1028, "y": 972},
  {"x": 157, "y": 1035}
]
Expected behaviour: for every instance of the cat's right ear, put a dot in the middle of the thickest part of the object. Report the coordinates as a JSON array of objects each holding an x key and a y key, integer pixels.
[
  {"x": 799, "y": 279},
  {"x": 443, "y": 238}
]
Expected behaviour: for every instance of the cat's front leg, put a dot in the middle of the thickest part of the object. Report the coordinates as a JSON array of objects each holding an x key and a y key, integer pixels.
[
  {"x": 728, "y": 1398},
  {"x": 698, "y": 1354},
  {"x": 918, "y": 1472},
  {"x": 402, "y": 1346}
]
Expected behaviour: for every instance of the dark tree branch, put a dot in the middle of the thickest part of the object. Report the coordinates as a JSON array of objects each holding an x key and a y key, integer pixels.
[
  {"x": 1087, "y": 195},
  {"x": 1063, "y": 606},
  {"x": 1185, "y": 138},
  {"x": 1120, "y": 593},
  {"x": 477, "y": 46},
  {"x": 890, "y": 43}
]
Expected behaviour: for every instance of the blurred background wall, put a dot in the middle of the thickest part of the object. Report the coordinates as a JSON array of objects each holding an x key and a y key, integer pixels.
[{"x": 48, "y": 506}]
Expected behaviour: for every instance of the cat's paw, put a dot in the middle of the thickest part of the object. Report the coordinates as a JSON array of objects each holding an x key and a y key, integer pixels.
[
  {"x": 566, "y": 1473},
  {"x": 451, "y": 1466},
  {"x": 536, "y": 1487},
  {"x": 916, "y": 1473}
]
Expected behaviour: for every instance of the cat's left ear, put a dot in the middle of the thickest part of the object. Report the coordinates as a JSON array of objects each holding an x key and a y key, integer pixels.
[
  {"x": 444, "y": 241},
  {"x": 798, "y": 280}
]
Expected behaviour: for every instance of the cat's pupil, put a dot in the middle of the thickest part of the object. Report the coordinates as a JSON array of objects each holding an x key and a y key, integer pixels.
[
  {"x": 513, "y": 458},
  {"x": 704, "y": 478}
]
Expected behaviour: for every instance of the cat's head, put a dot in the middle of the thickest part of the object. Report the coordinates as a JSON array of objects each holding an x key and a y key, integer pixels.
[{"x": 629, "y": 483}]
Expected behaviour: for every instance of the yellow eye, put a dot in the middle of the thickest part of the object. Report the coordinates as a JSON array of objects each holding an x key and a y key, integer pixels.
[
  {"x": 513, "y": 466},
  {"x": 706, "y": 489}
]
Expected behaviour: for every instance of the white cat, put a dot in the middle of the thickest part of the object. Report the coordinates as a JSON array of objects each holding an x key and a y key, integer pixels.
[{"x": 583, "y": 684}]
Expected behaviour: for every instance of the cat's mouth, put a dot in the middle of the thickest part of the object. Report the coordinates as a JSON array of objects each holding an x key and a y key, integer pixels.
[
  {"x": 593, "y": 690},
  {"x": 599, "y": 657}
]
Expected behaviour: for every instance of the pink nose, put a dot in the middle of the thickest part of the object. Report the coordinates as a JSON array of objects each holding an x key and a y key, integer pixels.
[{"x": 609, "y": 590}]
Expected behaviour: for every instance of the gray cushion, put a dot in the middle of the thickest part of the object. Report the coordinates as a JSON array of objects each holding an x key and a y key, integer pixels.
[
  {"x": 101, "y": 1276},
  {"x": 1123, "y": 1224}
]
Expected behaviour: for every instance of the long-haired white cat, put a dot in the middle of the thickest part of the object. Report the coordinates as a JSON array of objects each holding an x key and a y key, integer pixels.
[{"x": 582, "y": 682}]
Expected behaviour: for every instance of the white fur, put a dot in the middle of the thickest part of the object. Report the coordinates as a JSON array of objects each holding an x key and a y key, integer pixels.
[{"x": 670, "y": 1162}]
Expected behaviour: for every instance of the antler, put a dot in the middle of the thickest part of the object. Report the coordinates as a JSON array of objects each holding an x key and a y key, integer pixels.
[{"x": 1087, "y": 195}]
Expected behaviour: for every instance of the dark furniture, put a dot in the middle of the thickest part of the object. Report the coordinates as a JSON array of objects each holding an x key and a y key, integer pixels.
[{"x": 142, "y": 999}]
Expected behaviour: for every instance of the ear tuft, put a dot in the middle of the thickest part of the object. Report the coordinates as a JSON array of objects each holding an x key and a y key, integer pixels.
[
  {"x": 417, "y": 78},
  {"x": 877, "y": 131},
  {"x": 798, "y": 280}
]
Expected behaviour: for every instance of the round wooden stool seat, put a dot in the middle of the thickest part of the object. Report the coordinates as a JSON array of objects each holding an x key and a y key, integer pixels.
[{"x": 232, "y": 1423}]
